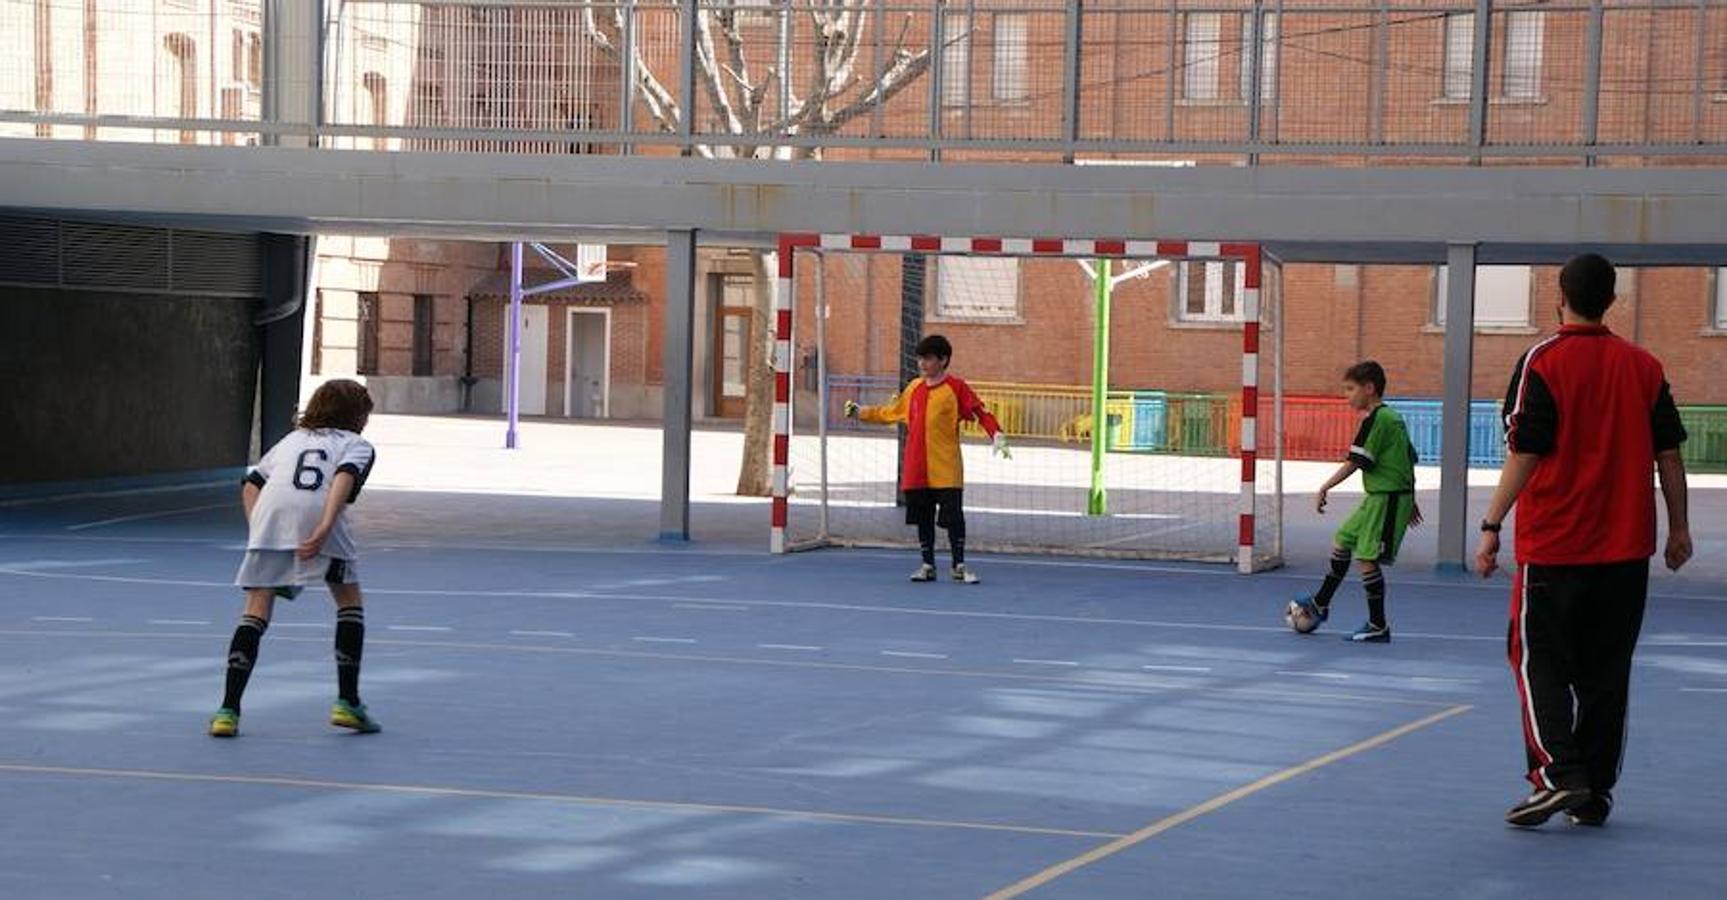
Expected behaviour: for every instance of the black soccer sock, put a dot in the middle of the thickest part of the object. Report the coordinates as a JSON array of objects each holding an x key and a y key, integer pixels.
[
  {"x": 956, "y": 540},
  {"x": 242, "y": 654},
  {"x": 350, "y": 642},
  {"x": 1339, "y": 568},
  {"x": 1374, "y": 582}
]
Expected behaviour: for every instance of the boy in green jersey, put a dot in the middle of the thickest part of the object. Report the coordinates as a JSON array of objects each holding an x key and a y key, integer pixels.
[{"x": 1374, "y": 531}]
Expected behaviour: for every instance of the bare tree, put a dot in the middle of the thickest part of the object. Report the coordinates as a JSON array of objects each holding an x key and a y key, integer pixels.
[{"x": 751, "y": 77}]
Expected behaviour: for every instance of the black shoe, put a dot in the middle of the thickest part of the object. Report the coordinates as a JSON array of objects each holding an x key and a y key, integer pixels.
[
  {"x": 1541, "y": 805},
  {"x": 1594, "y": 812}
]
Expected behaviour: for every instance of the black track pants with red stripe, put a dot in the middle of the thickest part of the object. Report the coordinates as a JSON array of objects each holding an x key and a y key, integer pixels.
[{"x": 1573, "y": 630}]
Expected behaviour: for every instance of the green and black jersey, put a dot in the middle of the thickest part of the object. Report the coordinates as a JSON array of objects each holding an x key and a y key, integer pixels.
[{"x": 1383, "y": 452}]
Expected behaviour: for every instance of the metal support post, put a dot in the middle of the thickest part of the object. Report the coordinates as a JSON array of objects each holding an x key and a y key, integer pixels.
[
  {"x": 1592, "y": 80},
  {"x": 1454, "y": 439},
  {"x": 1071, "y": 84},
  {"x": 687, "y": 76},
  {"x": 1478, "y": 59},
  {"x": 679, "y": 352},
  {"x": 513, "y": 362}
]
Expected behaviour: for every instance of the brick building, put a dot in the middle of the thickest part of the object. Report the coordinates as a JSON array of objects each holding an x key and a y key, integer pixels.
[{"x": 1030, "y": 322}]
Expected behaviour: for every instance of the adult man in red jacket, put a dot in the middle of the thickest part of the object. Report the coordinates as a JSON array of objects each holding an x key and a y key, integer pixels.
[{"x": 1588, "y": 417}]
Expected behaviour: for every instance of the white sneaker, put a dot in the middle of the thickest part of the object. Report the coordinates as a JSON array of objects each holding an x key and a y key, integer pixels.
[
  {"x": 925, "y": 572},
  {"x": 961, "y": 573}
]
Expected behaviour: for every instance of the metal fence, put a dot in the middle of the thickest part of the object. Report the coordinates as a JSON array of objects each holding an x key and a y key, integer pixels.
[{"x": 1207, "y": 80}]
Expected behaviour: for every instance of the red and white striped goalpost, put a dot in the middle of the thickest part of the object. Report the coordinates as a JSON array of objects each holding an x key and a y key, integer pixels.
[{"x": 1083, "y": 248}]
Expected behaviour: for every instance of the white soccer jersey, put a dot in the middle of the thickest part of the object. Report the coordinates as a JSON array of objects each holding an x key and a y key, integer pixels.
[{"x": 295, "y": 477}]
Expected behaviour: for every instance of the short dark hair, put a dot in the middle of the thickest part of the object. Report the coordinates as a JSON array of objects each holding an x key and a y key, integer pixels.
[
  {"x": 339, "y": 403},
  {"x": 1587, "y": 282},
  {"x": 1367, "y": 372},
  {"x": 935, "y": 345}
]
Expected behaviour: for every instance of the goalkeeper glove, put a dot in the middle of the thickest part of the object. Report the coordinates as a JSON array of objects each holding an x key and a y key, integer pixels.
[
  {"x": 999, "y": 445},
  {"x": 851, "y": 409}
]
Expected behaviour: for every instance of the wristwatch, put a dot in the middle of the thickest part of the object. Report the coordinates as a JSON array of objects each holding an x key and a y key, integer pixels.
[{"x": 1492, "y": 527}]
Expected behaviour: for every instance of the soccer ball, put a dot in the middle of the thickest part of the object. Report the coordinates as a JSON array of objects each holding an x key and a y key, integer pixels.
[{"x": 1300, "y": 619}]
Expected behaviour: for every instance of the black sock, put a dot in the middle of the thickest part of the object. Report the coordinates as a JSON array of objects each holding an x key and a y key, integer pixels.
[
  {"x": 350, "y": 642},
  {"x": 1374, "y": 582},
  {"x": 926, "y": 540},
  {"x": 1339, "y": 568},
  {"x": 242, "y": 654},
  {"x": 956, "y": 540}
]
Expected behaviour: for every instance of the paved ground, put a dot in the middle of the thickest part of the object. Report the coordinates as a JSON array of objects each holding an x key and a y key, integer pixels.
[{"x": 573, "y": 709}]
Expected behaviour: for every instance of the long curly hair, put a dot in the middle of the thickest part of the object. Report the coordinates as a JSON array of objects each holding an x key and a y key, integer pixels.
[{"x": 340, "y": 403}]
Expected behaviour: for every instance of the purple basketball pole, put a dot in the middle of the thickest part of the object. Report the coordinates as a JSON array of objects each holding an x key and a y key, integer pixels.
[{"x": 513, "y": 378}]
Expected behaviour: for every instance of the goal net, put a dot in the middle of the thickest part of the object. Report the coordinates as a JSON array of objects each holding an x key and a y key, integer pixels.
[{"x": 1163, "y": 446}]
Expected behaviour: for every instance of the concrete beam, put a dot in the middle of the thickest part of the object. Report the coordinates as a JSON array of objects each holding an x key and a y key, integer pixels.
[{"x": 516, "y": 196}]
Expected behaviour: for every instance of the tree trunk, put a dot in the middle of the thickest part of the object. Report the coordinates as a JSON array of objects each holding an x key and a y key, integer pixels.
[{"x": 755, "y": 476}]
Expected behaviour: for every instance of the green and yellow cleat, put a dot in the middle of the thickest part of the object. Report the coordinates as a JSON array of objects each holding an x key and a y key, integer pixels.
[
  {"x": 353, "y": 715},
  {"x": 225, "y": 723}
]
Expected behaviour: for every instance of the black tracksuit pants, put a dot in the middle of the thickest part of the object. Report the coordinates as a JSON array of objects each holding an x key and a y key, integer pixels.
[{"x": 1572, "y": 633}]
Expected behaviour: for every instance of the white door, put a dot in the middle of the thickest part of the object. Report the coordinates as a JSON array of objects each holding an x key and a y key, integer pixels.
[
  {"x": 587, "y": 352},
  {"x": 534, "y": 328}
]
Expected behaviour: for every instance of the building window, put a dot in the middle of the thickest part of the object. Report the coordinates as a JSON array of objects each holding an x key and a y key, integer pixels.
[
  {"x": 1718, "y": 317},
  {"x": 425, "y": 318},
  {"x": 1210, "y": 291},
  {"x": 255, "y": 61},
  {"x": 1522, "y": 70},
  {"x": 1459, "y": 55},
  {"x": 1009, "y": 76},
  {"x": 182, "y": 53},
  {"x": 955, "y": 59},
  {"x": 1502, "y": 296},
  {"x": 1201, "y": 50},
  {"x": 375, "y": 106},
  {"x": 977, "y": 288},
  {"x": 369, "y": 327},
  {"x": 1267, "y": 57}
]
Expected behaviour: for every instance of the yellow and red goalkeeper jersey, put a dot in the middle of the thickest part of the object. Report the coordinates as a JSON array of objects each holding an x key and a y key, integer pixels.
[{"x": 932, "y": 414}]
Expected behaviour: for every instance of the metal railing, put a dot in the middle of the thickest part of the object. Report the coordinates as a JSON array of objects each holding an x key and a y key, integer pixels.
[{"x": 1214, "y": 81}]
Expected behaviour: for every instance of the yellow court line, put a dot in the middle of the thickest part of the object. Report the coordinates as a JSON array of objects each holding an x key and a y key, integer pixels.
[
  {"x": 1097, "y": 678},
  {"x": 1187, "y": 815},
  {"x": 435, "y": 791}
]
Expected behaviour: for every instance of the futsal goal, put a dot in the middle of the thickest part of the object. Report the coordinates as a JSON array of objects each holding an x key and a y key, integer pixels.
[{"x": 1127, "y": 375}]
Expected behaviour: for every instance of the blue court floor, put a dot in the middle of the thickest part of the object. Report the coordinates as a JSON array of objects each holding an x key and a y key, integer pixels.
[{"x": 572, "y": 712}]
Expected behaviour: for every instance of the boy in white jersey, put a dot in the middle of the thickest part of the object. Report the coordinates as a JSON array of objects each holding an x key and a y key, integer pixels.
[{"x": 295, "y": 499}]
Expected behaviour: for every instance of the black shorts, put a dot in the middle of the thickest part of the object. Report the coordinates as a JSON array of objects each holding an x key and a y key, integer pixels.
[{"x": 945, "y": 505}]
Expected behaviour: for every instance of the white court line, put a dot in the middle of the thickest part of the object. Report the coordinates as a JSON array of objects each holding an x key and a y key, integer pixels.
[
  {"x": 806, "y": 647},
  {"x": 721, "y": 607},
  {"x": 910, "y": 654},
  {"x": 1176, "y": 668},
  {"x": 1337, "y": 676},
  {"x": 564, "y": 634},
  {"x": 664, "y": 640},
  {"x": 61, "y": 619},
  {"x": 1703, "y": 690},
  {"x": 417, "y": 627},
  {"x": 1499, "y": 585},
  {"x": 179, "y": 622},
  {"x": 1047, "y": 662},
  {"x": 32, "y": 565},
  {"x": 161, "y": 514}
]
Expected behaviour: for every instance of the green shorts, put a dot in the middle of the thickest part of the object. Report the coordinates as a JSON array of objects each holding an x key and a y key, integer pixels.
[{"x": 1375, "y": 530}]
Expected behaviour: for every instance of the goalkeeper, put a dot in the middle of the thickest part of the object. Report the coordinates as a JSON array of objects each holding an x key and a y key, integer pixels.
[{"x": 932, "y": 474}]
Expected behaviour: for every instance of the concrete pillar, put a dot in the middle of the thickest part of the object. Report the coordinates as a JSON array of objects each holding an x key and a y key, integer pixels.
[
  {"x": 293, "y": 70},
  {"x": 679, "y": 382},
  {"x": 1454, "y": 525}
]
